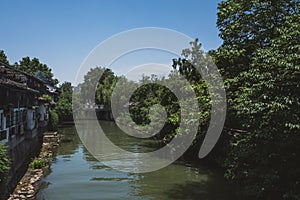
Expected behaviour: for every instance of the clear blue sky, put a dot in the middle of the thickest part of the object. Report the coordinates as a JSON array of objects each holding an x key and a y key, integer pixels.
[{"x": 62, "y": 33}]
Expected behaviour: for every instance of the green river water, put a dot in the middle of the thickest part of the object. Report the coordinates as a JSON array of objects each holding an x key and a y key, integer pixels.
[{"x": 76, "y": 174}]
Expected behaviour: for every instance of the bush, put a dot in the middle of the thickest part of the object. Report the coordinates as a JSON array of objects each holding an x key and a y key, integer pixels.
[
  {"x": 47, "y": 97},
  {"x": 64, "y": 105},
  {"x": 53, "y": 121},
  {"x": 38, "y": 164}
]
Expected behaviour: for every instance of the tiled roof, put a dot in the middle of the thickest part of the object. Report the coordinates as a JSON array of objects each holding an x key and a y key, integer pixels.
[{"x": 14, "y": 79}]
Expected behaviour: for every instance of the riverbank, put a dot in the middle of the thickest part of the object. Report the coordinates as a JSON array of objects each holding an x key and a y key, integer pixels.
[{"x": 28, "y": 186}]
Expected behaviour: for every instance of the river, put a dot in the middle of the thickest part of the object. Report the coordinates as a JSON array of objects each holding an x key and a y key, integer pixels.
[{"x": 76, "y": 174}]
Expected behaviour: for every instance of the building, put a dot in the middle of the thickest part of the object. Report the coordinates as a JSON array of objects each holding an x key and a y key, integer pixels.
[
  {"x": 24, "y": 108},
  {"x": 16, "y": 100},
  {"x": 21, "y": 110}
]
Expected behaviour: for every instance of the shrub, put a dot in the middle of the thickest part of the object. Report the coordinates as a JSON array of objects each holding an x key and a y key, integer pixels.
[
  {"x": 38, "y": 164},
  {"x": 47, "y": 97},
  {"x": 53, "y": 121}
]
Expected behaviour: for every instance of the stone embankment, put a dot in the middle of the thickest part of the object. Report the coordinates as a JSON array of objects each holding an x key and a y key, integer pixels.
[{"x": 29, "y": 184}]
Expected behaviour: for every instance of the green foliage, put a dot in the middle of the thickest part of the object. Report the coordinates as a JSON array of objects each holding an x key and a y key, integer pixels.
[
  {"x": 64, "y": 105},
  {"x": 47, "y": 97},
  {"x": 98, "y": 81},
  {"x": 152, "y": 92},
  {"x": 4, "y": 161},
  {"x": 37, "y": 69},
  {"x": 3, "y": 57},
  {"x": 260, "y": 63},
  {"x": 194, "y": 63},
  {"x": 66, "y": 88},
  {"x": 64, "y": 108},
  {"x": 38, "y": 164},
  {"x": 246, "y": 27},
  {"x": 259, "y": 59},
  {"x": 105, "y": 87},
  {"x": 146, "y": 97},
  {"x": 124, "y": 85},
  {"x": 53, "y": 121}
]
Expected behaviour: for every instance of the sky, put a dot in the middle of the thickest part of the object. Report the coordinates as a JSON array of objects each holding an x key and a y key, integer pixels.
[{"x": 62, "y": 33}]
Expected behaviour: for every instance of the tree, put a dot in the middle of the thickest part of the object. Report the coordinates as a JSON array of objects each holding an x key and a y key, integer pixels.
[
  {"x": 245, "y": 27},
  {"x": 64, "y": 105},
  {"x": 98, "y": 81},
  {"x": 3, "y": 57},
  {"x": 105, "y": 87},
  {"x": 120, "y": 98},
  {"x": 66, "y": 88},
  {"x": 37, "y": 69},
  {"x": 259, "y": 59}
]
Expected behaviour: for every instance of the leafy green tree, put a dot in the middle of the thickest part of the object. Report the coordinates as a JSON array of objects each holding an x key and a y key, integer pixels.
[
  {"x": 64, "y": 105},
  {"x": 98, "y": 81},
  {"x": 149, "y": 93},
  {"x": 199, "y": 69},
  {"x": 66, "y": 88},
  {"x": 105, "y": 87},
  {"x": 3, "y": 57},
  {"x": 259, "y": 59},
  {"x": 37, "y": 69},
  {"x": 88, "y": 87},
  {"x": 53, "y": 121},
  {"x": 120, "y": 100},
  {"x": 245, "y": 27}
]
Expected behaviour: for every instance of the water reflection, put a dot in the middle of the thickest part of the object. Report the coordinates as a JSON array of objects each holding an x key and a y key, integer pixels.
[
  {"x": 76, "y": 174},
  {"x": 69, "y": 141}
]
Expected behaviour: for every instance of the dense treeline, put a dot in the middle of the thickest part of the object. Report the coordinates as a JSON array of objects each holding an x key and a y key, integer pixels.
[{"x": 259, "y": 61}]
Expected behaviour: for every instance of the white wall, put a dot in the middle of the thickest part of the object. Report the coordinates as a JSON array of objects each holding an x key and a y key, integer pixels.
[
  {"x": 30, "y": 119},
  {"x": 42, "y": 112}
]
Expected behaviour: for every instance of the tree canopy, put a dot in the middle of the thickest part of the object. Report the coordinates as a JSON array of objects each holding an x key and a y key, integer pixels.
[
  {"x": 64, "y": 105},
  {"x": 3, "y": 57},
  {"x": 259, "y": 59},
  {"x": 37, "y": 69},
  {"x": 98, "y": 81}
]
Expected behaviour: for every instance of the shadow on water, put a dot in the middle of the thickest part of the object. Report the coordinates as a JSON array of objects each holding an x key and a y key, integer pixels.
[
  {"x": 69, "y": 141},
  {"x": 197, "y": 191},
  {"x": 127, "y": 142}
]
